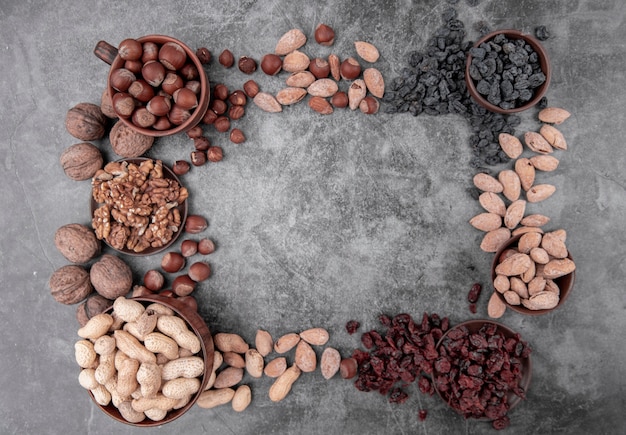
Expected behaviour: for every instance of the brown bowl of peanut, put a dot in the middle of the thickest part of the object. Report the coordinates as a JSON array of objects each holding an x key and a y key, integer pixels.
[
  {"x": 145, "y": 361},
  {"x": 138, "y": 206}
]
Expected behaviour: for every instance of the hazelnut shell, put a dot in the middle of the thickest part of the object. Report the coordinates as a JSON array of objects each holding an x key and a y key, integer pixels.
[{"x": 111, "y": 277}]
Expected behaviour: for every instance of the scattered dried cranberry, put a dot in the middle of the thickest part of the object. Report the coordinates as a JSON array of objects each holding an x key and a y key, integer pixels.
[
  {"x": 474, "y": 293},
  {"x": 501, "y": 423},
  {"x": 422, "y": 414},
  {"x": 352, "y": 326}
]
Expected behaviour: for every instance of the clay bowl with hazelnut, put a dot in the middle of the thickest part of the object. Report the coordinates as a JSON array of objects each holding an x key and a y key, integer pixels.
[
  {"x": 472, "y": 350},
  {"x": 501, "y": 60},
  {"x": 156, "y": 83},
  {"x": 561, "y": 285},
  {"x": 120, "y": 236},
  {"x": 195, "y": 324}
]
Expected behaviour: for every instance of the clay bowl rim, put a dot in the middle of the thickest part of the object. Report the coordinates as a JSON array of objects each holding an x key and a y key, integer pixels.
[
  {"x": 203, "y": 98},
  {"x": 565, "y": 283},
  {"x": 207, "y": 349},
  {"x": 527, "y": 365},
  {"x": 183, "y": 208},
  {"x": 544, "y": 61}
]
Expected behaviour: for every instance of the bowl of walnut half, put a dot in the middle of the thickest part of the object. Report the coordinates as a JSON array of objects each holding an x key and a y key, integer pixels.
[
  {"x": 534, "y": 273},
  {"x": 156, "y": 83},
  {"x": 507, "y": 71},
  {"x": 138, "y": 206},
  {"x": 145, "y": 361}
]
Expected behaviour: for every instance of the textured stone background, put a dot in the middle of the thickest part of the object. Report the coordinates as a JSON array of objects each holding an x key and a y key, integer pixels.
[{"x": 319, "y": 220}]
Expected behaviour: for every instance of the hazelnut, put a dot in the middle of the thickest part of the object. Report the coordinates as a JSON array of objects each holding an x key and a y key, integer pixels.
[
  {"x": 319, "y": 68},
  {"x": 172, "y": 56},
  {"x": 140, "y": 291},
  {"x": 123, "y": 104},
  {"x": 185, "y": 98},
  {"x": 251, "y": 88},
  {"x": 181, "y": 167},
  {"x": 172, "y": 262},
  {"x": 350, "y": 69},
  {"x": 236, "y": 112},
  {"x": 369, "y": 105},
  {"x": 95, "y": 304},
  {"x": 215, "y": 154},
  {"x": 183, "y": 285},
  {"x": 130, "y": 49},
  {"x": 126, "y": 142},
  {"x": 106, "y": 105},
  {"x": 206, "y": 246},
  {"x": 271, "y": 64},
  {"x": 76, "y": 242},
  {"x": 220, "y": 92},
  {"x": 189, "y": 301},
  {"x": 141, "y": 90},
  {"x": 201, "y": 143},
  {"x": 218, "y": 106},
  {"x": 226, "y": 58},
  {"x": 133, "y": 66},
  {"x": 111, "y": 277},
  {"x": 194, "y": 85},
  {"x": 178, "y": 115},
  {"x": 171, "y": 82},
  {"x": 162, "y": 124},
  {"x": 188, "y": 248},
  {"x": 150, "y": 51},
  {"x": 85, "y": 121},
  {"x": 198, "y": 158},
  {"x": 189, "y": 72},
  {"x": 238, "y": 98},
  {"x": 324, "y": 35},
  {"x": 222, "y": 124},
  {"x": 121, "y": 78},
  {"x": 159, "y": 105},
  {"x": 204, "y": 55},
  {"x": 195, "y": 132},
  {"x": 143, "y": 118},
  {"x": 247, "y": 65},
  {"x": 339, "y": 100},
  {"x": 237, "y": 136},
  {"x": 153, "y": 72},
  {"x": 153, "y": 280},
  {"x": 70, "y": 284},
  {"x": 209, "y": 117},
  {"x": 166, "y": 293},
  {"x": 195, "y": 224},
  {"x": 81, "y": 161},
  {"x": 199, "y": 271}
]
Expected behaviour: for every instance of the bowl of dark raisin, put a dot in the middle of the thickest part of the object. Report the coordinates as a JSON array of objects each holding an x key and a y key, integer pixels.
[
  {"x": 483, "y": 370},
  {"x": 507, "y": 71}
]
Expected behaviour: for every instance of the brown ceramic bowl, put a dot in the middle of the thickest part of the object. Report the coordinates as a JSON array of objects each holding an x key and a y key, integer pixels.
[
  {"x": 108, "y": 54},
  {"x": 538, "y": 93},
  {"x": 474, "y": 326},
  {"x": 196, "y": 324},
  {"x": 565, "y": 283},
  {"x": 182, "y": 208}
]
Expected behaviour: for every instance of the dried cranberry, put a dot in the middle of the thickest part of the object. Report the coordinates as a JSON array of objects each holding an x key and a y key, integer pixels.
[
  {"x": 384, "y": 320},
  {"x": 501, "y": 423},
  {"x": 472, "y": 308},
  {"x": 474, "y": 293},
  {"x": 398, "y": 396},
  {"x": 422, "y": 414},
  {"x": 352, "y": 326}
]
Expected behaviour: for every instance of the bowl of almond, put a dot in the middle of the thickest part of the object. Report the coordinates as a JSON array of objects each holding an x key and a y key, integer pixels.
[{"x": 533, "y": 273}]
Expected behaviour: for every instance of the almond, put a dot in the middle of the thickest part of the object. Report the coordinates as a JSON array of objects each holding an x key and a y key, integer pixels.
[
  {"x": 290, "y": 95},
  {"x": 542, "y": 301},
  {"x": 551, "y": 286},
  {"x": 501, "y": 283},
  {"x": 511, "y": 298},
  {"x": 330, "y": 362},
  {"x": 323, "y": 88},
  {"x": 514, "y": 213},
  {"x": 267, "y": 102},
  {"x": 366, "y": 51},
  {"x": 561, "y": 234},
  {"x": 492, "y": 203},
  {"x": 335, "y": 66},
  {"x": 553, "y": 136},
  {"x": 523, "y": 230},
  {"x": 290, "y": 41},
  {"x": 558, "y": 268},
  {"x": 526, "y": 172},
  {"x": 530, "y": 273},
  {"x": 528, "y": 241},
  {"x": 495, "y": 307},
  {"x": 514, "y": 265},
  {"x": 286, "y": 342},
  {"x": 511, "y": 184},
  {"x": 540, "y": 192},
  {"x": 296, "y": 61},
  {"x": 305, "y": 358},
  {"x": 536, "y": 285},
  {"x": 545, "y": 163},
  {"x": 264, "y": 342},
  {"x": 300, "y": 79},
  {"x": 320, "y": 105},
  {"x": 539, "y": 255},
  {"x": 554, "y": 246},
  {"x": 553, "y": 115},
  {"x": 535, "y": 220},
  {"x": 511, "y": 145},
  {"x": 494, "y": 239},
  {"x": 276, "y": 367},
  {"x": 356, "y": 93},
  {"x": 519, "y": 287},
  {"x": 315, "y": 336},
  {"x": 487, "y": 183},
  {"x": 374, "y": 82},
  {"x": 254, "y": 363},
  {"x": 537, "y": 143},
  {"x": 486, "y": 221}
]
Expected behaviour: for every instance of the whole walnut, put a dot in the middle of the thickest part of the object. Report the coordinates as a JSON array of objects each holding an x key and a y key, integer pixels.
[
  {"x": 77, "y": 242},
  {"x": 70, "y": 284},
  {"x": 126, "y": 142},
  {"x": 81, "y": 161},
  {"x": 111, "y": 277},
  {"x": 86, "y": 121},
  {"x": 95, "y": 304}
]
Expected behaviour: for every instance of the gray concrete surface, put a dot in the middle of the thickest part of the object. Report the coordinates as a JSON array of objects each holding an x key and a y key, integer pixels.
[{"x": 319, "y": 220}]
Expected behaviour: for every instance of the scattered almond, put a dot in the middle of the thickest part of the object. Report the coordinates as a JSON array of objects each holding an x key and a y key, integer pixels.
[
  {"x": 330, "y": 362},
  {"x": 300, "y": 79},
  {"x": 535, "y": 220},
  {"x": 305, "y": 358},
  {"x": 526, "y": 172},
  {"x": 495, "y": 307},
  {"x": 486, "y": 221},
  {"x": 537, "y": 143},
  {"x": 494, "y": 239},
  {"x": 544, "y": 163},
  {"x": 514, "y": 213},
  {"x": 487, "y": 183},
  {"x": 323, "y": 88},
  {"x": 374, "y": 82},
  {"x": 335, "y": 65},
  {"x": 356, "y": 92},
  {"x": 540, "y": 192},
  {"x": 553, "y": 115},
  {"x": 492, "y": 203},
  {"x": 286, "y": 342},
  {"x": 511, "y": 145},
  {"x": 290, "y": 41},
  {"x": 511, "y": 184},
  {"x": 366, "y": 51},
  {"x": 267, "y": 102},
  {"x": 315, "y": 336},
  {"x": 553, "y": 136},
  {"x": 290, "y": 95},
  {"x": 296, "y": 61}
]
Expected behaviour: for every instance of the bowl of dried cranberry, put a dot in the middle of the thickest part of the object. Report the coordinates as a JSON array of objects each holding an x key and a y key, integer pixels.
[
  {"x": 507, "y": 71},
  {"x": 483, "y": 370}
]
